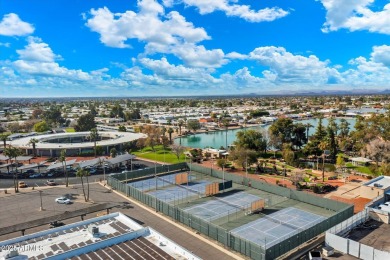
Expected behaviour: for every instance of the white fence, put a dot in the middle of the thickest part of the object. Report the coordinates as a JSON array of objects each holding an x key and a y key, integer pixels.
[{"x": 334, "y": 238}]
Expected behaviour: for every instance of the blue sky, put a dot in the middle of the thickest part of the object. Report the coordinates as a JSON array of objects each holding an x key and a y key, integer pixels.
[{"x": 192, "y": 47}]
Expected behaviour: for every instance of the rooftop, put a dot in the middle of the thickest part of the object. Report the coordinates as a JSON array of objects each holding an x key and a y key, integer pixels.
[
  {"x": 377, "y": 235},
  {"x": 382, "y": 182},
  {"x": 112, "y": 236},
  {"x": 114, "y": 139}
]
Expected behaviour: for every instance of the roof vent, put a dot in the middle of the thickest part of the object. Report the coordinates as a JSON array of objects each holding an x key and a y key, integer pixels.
[{"x": 94, "y": 231}]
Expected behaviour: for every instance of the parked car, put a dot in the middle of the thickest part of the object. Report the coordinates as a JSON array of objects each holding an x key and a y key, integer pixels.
[
  {"x": 55, "y": 224},
  {"x": 22, "y": 184},
  {"x": 35, "y": 175},
  {"x": 63, "y": 200},
  {"x": 51, "y": 183}
]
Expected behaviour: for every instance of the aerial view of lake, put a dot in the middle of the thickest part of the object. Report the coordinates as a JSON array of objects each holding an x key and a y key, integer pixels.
[{"x": 218, "y": 138}]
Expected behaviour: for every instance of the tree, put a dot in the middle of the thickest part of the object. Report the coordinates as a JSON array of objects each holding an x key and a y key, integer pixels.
[
  {"x": 222, "y": 163},
  {"x": 288, "y": 154},
  {"x": 251, "y": 139},
  {"x": 3, "y": 137},
  {"x": 193, "y": 124},
  {"x": 242, "y": 156},
  {"x": 378, "y": 150},
  {"x": 340, "y": 161},
  {"x": 13, "y": 152},
  {"x": 34, "y": 141},
  {"x": 165, "y": 142},
  {"x": 180, "y": 123},
  {"x": 299, "y": 137},
  {"x": 41, "y": 127},
  {"x": 331, "y": 137},
  {"x": 14, "y": 127},
  {"x": 83, "y": 173},
  {"x": 153, "y": 137},
  {"x": 344, "y": 128},
  {"x": 133, "y": 115},
  {"x": 308, "y": 126},
  {"x": 178, "y": 150},
  {"x": 113, "y": 152},
  {"x": 117, "y": 111},
  {"x": 226, "y": 123},
  {"x": 282, "y": 129},
  {"x": 53, "y": 116},
  {"x": 122, "y": 128},
  {"x": 37, "y": 113},
  {"x": 94, "y": 135},
  {"x": 170, "y": 132},
  {"x": 85, "y": 123},
  {"x": 62, "y": 159}
]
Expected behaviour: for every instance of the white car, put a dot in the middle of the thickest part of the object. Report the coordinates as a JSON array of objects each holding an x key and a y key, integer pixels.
[{"x": 63, "y": 200}]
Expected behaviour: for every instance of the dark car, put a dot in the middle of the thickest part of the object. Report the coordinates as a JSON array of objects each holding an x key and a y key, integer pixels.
[{"x": 55, "y": 224}]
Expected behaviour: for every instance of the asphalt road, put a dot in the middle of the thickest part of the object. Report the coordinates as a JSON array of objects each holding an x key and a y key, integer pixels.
[{"x": 39, "y": 182}]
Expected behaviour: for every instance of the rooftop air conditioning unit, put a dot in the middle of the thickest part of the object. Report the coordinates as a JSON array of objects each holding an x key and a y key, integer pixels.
[
  {"x": 12, "y": 254},
  {"x": 94, "y": 231}
]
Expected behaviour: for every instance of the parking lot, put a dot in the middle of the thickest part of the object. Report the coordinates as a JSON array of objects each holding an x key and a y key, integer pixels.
[
  {"x": 25, "y": 206},
  {"x": 39, "y": 179}
]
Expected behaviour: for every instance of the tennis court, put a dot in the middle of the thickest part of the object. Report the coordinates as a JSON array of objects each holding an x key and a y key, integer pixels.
[
  {"x": 273, "y": 228},
  {"x": 220, "y": 207},
  {"x": 150, "y": 184},
  {"x": 180, "y": 192}
]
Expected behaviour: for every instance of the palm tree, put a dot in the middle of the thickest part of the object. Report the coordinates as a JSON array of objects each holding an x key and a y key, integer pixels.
[
  {"x": 323, "y": 145},
  {"x": 94, "y": 135},
  {"x": 163, "y": 130},
  {"x": 13, "y": 152},
  {"x": 33, "y": 141},
  {"x": 170, "y": 131},
  {"x": 3, "y": 137},
  {"x": 308, "y": 126},
  {"x": 226, "y": 123},
  {"x": 113, "y": 152},
  {"x": 62, "y": 159},
  {"x": 180, "y": 123},
  {"x": 83, "y": 173}
]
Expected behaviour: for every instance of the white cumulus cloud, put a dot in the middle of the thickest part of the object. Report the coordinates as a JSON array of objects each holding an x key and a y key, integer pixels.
[
  {"x": 286, "y": 67},
  {"x": 162, "y": 33},
  {"x": 356, "y": 15},
  {"x": 233, "y": 9},
  {"x": 148, "y": 25},
  {"x": 12, "y": 25}
]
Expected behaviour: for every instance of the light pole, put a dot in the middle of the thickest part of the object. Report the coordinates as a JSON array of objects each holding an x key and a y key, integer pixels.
[
  {"x": 155, "y": 177},
  {"x": 246, "y": 169},
  {"x": 40, "y": 195}
]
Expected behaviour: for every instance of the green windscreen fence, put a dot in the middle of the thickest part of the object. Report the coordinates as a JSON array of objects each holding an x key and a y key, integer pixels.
[{"x": 223, "y": 236}]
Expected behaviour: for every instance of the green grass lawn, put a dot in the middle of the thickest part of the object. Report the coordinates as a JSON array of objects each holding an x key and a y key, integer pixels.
[
  {"x": 160, "y": 155},
  {"x": 362, "y": 169},
  {"x": 70, "y": 130}
]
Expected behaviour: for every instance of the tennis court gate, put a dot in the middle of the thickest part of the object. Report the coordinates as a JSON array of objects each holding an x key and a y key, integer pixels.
[{"x": 245, "y": 247}]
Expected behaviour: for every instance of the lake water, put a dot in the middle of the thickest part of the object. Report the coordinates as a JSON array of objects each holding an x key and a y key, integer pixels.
[{"x": 218, "y": 138}]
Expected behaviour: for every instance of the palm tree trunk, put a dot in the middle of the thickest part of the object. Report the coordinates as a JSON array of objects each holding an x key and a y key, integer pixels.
[
  {"x": 16, "y": 178},
  {"x": 82, "y": 185},
  {"x": 87, "y": 189},
  {"x": 94, "y": 147},
  {"x": 66, "y": 175},
  {"x": 15, "y": 184}
]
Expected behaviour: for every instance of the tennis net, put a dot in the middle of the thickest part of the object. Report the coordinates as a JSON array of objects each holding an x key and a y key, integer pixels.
[
  {"x": 169, "y": 181},
  {"x": 277, "y": 221},
  {"x": 245, "y": 207}
]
